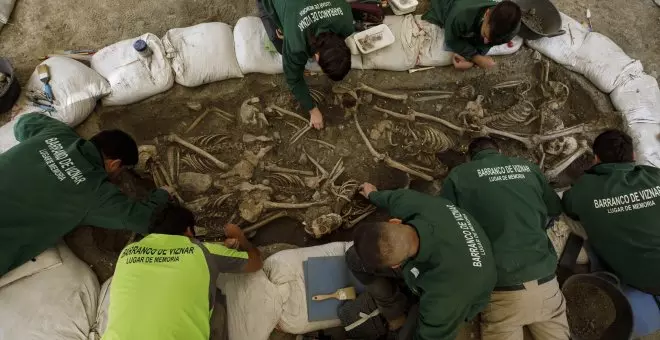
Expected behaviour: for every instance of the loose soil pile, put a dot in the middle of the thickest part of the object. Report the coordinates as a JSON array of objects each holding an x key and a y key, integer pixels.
[
  {"x": 590, "y": 310},
  {"x": 533, "y": 21}
]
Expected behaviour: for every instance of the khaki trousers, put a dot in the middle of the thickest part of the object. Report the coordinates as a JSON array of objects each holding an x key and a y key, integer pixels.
[{"x": 541, "y": 308}]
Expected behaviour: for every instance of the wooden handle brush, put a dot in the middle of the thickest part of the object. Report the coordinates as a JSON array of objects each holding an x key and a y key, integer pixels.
[
  {"x": 44, "y": 76},
  {"x": 341, "y": 294}
]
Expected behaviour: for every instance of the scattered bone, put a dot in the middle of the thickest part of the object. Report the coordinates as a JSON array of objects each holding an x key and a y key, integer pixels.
[
  {"x": 173, "y": 162},
  {"x": 197, "y": 121},
  {"x": 283, "y": 180},
  {"x": 324, "y": 225},
  {"x": 248, "y": 113},
  {"x": 562, "y": 146},
  {"x": 247, "y": 187},
  {"x": 296, "y": 136},
  {"x": 381, "y": 129},
  {"x": 265, "y": 221},
  {"x": 198, "y": 163},
  {"x": 145, "y": 154},
  {"x": 251, "y": 208},
  {"x": 285, "y": 112},
  {"x": 195, "y": 106},
  {"x": 565, "y": 163},
  {"x": 473, "y": 112},
  {"x": 420, "y": 168},
  {"x": 347, "y": 103},
  {"x": 324, "y": 143},
  {"x": 352, "y": 223},
  {"x": 317, "y": 96},
  {"x": 346, "y": 190},
  {"x": 274, "y": 168},
  {"x": 194, "y": 182},
  {"x": 211, "y": 142},
  {"x": 448, "y": 93},
  {"x": 321, "y": 169},
  {"x": 176, "y": 139},
  {"x": 385, "y": 158},
  {"x": 245, "y": 167},
  {"x": 466, "y": 92},
  {"x": 363, "y": 87},
  {"x": 518, "y": 115},
  {"x": 434, "y": 140},
  {"x": 222, "y": 114},
  {"x": 412, "y": 115},
  {"x": 250, "y": 138},
  {"x": 431, "y": 98},
  {"x": 421, "y": 69}
]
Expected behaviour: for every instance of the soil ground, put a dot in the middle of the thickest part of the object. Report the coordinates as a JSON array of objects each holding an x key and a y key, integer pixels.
[{"x": 39, "y": 27}]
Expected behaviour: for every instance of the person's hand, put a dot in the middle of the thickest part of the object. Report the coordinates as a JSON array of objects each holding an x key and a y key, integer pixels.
[
  {"x": 461, "y": 63},
  {"x": 366, "y": 189},
  {"x": 169, "y": 189},
  {"x": 232, "y": 243},
  {"x": 484, "y": 61},
  {"x": 316, "y": 118},
  {"x": 232, "y": 231},
  {"x": 279, "y": 34}
]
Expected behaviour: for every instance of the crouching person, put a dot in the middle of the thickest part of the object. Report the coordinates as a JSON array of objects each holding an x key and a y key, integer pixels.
[
  {"x": 472, "y": 27},
  {"x": 440, "y": 252},
  {"x": 164, "y": 285}
]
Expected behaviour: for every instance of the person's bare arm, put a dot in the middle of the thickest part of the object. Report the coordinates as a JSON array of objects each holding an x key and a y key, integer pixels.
[
  {"x": 484, "y": 61},
  {"x": 235, "y": 236}
]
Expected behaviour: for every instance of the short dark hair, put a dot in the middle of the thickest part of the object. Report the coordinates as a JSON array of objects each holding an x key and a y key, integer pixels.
[
  {"x": 334, "y": 55},
  {"x": 480, "y": 144},
  {"x": 614, "y": 146},
  {"x": 504, "y": 21},
  {"x": 117, "y": 144},
  {"x": 380, "y": 244},
  {"x": 171, "y": 219}
]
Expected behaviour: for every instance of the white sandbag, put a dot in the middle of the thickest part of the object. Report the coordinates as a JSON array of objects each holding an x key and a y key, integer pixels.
[
  {"x": 7, "y": 139},
  {"x": 286, "y": 269},
  {"x": 249, "y": 39},
  {"x": 52, "y": 304},
  {"x": 647, "y": 144},
  {"x": 101, "y": 323},
  {"x": 562, "y": 49},
  {"x": 402, "y": 55},
  {"x": 254, "y": 304},
  {"x": 504, "y": 49},
  {"x": 131, "y": 77},
  {"x": 638, "y": 100},
  {"x": 76, "y": 89},
  {"x": 432, "y": 45},
  {"x": 202, "y": 54},
  {"x": 604, "y": 63},
  {"x": 6, "y": 7}
]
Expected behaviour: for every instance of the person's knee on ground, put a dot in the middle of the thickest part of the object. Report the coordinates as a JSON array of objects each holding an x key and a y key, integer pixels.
[{"x": 332, "y": 55}]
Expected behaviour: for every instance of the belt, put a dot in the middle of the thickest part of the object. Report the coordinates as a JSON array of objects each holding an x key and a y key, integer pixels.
[{"x": 522, "y": 286}]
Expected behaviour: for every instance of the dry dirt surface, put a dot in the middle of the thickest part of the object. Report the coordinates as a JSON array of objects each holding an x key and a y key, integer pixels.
[{"x": 39, "y": 27}]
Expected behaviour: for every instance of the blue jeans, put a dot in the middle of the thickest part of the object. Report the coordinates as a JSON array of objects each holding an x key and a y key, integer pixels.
[{"x": 646, "y": 311}]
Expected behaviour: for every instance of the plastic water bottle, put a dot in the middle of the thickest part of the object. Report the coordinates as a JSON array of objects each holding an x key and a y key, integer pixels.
[{"x": 142, "y": 48}]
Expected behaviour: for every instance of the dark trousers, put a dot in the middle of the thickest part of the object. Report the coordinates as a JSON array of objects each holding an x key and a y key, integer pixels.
[
  {"x": 382, "y": 284},
  {"x": 269, "y": 25}
]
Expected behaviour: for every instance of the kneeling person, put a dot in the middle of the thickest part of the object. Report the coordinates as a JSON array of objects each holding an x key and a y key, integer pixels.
[
  {"x": 440, "y": 251},
  {"x": 164, "y": 285},
  {"x": 301, "y": 29},
  {"x": 472, "y": 27},
  {"x": 512, "y": 200}
]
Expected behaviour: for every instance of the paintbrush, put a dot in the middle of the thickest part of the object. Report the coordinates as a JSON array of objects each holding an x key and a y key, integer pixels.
[
  {"x": 44, "y": 76},
  {"x": 591, "y": 28},
  {"x": 341, "y": 294}
]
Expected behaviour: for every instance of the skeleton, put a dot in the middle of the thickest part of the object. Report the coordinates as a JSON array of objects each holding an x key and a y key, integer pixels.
[
  {"x": 289, "y": 183},
  {"x": 249, "y": 138},
  {"x": 518, "y": 115},
  {"x": 324, "y": 225},
  {"x": 465, "y": 92},
  {"x": 197, "y": 163},
  {"x": 566, "y": 162},
  {"x": 251, "y": 115},
  {"x": 246, "y": 166},
  {"x": 149, "y": 160},
  {"x": 317, "y": 96},
  {"x": 385, "y": 158},
  {"x": 208, "y": 205},
  {"x": 473, "y": 113},
  {"x": 363, "y": 87},
  {"x": 212, "y": 142},
  {"x": 176, "y": 139},
  {"x": 274, "y": 168},
  {"x": 424, "y": 138},
  {"x": 220, "y": 113}
]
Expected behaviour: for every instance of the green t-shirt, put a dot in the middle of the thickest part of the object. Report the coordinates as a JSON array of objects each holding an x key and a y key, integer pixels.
[
  {"x": 454, "y": 270},
  {"x": 54, "y": 181},
  {"x": 298, "y": 20},
  {"x": 618, "y": 205},
  {"x": 164, "y": 288},
  {"x": 512, "y": 200}
]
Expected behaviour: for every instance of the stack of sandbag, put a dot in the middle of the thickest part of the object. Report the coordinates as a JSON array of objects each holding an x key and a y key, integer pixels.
[
  {"x": 275, "y": 296},
  {"x": 51, "y": 298},
  {"x": 250, "y": 39},
  {"x": 402, "y": 54},
  {"x": 432, "y": 45},
  {"x": 202, "y": 54},
  {"x": 76, "y": 89},
  {"x": 611, "y": 70},
  {"x": 6, "y": 7},
  {"x": 133, "y": 78}
]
